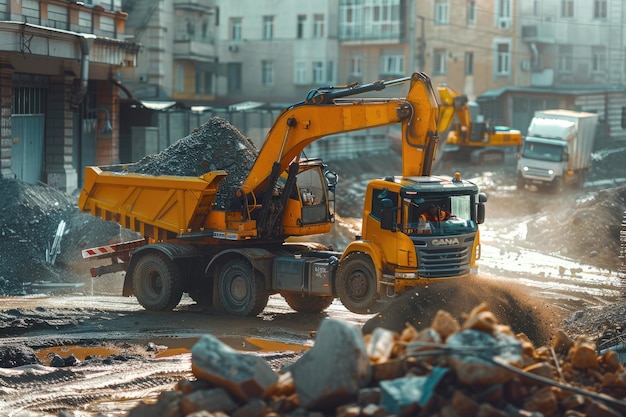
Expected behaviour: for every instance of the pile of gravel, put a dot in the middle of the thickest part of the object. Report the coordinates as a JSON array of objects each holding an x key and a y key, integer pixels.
[{"x": 216, "y": 145}]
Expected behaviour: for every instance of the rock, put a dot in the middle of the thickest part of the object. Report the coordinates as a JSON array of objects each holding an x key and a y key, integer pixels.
[
  {"x": 334, "y": 369},
  {"x": 212, "y": 400},
  {"x": 472, "y": 353},
  {"x": 242, "y": 375},
  {"x": 583, "y": 354}
]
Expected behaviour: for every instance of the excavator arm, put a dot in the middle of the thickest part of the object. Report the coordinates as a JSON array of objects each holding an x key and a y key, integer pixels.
[
  {"x": 330, "y": 110},
  {"x": 453, "y": 104}
]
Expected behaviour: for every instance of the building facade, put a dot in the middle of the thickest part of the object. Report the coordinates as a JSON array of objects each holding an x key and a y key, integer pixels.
[{"x": 59, "y": 87}]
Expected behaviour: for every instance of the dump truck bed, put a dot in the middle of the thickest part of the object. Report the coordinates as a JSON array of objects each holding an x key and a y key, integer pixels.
[{"x": 154, "y": 206}]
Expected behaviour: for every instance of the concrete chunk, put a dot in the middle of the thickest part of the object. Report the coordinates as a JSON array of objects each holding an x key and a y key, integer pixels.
[
  {"x": 244, "y": 376},
  {"x": 334, "y": 369}
]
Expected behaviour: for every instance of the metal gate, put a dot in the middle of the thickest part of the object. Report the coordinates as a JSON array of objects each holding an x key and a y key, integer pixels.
[
  {"x": 27, "y": 151},
  {"x": 28, "y": 127}
]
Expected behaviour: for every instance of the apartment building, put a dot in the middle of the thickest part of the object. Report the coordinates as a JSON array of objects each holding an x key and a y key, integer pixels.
[
  {"x": 569, "y": 54},
  {"x": 59, "y": 87}
]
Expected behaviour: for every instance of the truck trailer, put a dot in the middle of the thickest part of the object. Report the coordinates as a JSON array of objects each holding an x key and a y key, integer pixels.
[
  {"x": 556, "y": 151},
  {"x": 232, "y": 259}
]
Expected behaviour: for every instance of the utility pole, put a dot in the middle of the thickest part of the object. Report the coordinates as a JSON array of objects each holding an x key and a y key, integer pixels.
[
  {"x": 421, "y": 45},
  {"x": 412, "y": 34}
]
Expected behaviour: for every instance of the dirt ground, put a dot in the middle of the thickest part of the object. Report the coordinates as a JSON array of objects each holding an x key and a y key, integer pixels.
[{"x": 582, "y": 226}]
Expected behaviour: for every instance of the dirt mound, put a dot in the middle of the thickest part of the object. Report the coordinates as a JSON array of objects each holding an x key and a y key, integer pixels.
[
  {"x": 509, "y": 302},
  {"x": 216, "y": 145},
  {"x": 29, "y": 219}
]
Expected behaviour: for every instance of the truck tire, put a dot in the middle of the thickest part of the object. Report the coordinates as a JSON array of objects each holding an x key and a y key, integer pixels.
[
  {"x": 356, "y": 284},
  {"x": 307, "y": 303},
  {"x": 157, "y": 283},
  {"x": 241, "y": 292}
]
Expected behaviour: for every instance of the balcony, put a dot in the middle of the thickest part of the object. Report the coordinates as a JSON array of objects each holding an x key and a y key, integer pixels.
[
  {"x": 195, "y": 5},
  {"x": 193, "y": 50},
  {"x": 371, "y": 34},
  {"x": 543, "y": 33}
]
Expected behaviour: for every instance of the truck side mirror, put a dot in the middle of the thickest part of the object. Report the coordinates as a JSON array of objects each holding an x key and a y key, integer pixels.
[
  {"x": 480, "y": 209},
  {"x": 480, "y": 213},
  {"x": 387, "y": 215}
]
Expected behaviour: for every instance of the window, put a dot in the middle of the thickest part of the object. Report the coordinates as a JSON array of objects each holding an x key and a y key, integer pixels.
[
  {"x": 441, "y": 12},
  {"x": 471, "y": 12},
  {"x": 318, "y": 26},
  {"x": 57, "y": 17},
  {"x": 180, "y": 78},
  {"x": 598, "y": 58},
  {"x": 30, "y": 10},
  {"x": 330, "y": 71},
  {"x": 301, "y": 26},
  {"x": 355, "y": 65},
  {"x": 439, "y": 61},
  {"x": 504, "y": 9},
  {"x": 599, "y": 9},
  {"x": 268, "y": 28},
  {"x": 267, "y": 73},
  {"x": 235, "y": 29},
  {"x": 503, "y": 59},
  {"x": 393, "y": 65},
  {"x": 469, "y": 63},
  {"x": 566, "y": 58},
  {"x": 567, "y": 8},
  {"x": 318, "y": 72},
  {"x": 350, "y": 19},
  {"x": 84, "y": 19},
  {"x": 203, "y": 82},
  {"x": 300, "y": 75}
]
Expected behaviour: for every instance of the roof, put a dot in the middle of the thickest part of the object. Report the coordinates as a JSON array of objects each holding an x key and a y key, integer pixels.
[{"x": 562, "y": 89}]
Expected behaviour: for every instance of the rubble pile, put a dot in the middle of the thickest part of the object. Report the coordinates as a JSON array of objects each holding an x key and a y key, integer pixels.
[
  {"x": 478, "y": 368},
  {"x": 215, "y": 145},
  {"x": 30, "y": 215}
]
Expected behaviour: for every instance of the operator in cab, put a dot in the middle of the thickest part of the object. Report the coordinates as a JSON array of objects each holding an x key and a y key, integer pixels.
[{"x": 435, "y": 213}]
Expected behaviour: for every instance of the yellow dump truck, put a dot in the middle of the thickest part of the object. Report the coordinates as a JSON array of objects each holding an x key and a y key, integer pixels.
[{"x": 233, "y": 259}]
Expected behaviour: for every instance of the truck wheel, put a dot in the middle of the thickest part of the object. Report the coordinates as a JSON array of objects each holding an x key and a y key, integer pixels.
[
  {"x": 241, "y": 292},
  {"x": 157, "y": 283},
  {"x": 307, "y": 303},
  {"x": 520, "y": 184},
  {"x": 356, "y": 284}
]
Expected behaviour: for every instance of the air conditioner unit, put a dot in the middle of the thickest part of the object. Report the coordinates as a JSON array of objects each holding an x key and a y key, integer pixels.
[
  {"x": 233, "y": 48},
  {"x": 504, "y": 23},
  {"x": 525, "y": 64}
]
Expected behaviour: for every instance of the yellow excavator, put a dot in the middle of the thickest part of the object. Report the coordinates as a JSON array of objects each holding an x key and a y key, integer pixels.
[
  {"x": 232, "y": 259},
  {"x": 467, "y": 132}
]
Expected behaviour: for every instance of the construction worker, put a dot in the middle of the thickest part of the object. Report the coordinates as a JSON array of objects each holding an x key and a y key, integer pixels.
[{"x": 434, "y": 213}]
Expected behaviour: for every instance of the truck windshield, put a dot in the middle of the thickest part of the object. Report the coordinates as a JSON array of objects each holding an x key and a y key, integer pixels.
[
  {"x": 542, "y": 151},
  {"x": 449, "y": 216}
]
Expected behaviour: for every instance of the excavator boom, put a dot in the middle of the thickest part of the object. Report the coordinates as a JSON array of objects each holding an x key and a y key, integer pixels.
[{"x": 331, "y": 111}]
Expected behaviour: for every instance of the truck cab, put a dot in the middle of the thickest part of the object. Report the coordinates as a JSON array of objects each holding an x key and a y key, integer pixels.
[{"x": 545, "y": 152}]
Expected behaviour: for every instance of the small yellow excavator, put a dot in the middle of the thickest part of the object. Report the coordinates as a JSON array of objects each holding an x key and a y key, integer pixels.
[{"x": 469, "y": 132}]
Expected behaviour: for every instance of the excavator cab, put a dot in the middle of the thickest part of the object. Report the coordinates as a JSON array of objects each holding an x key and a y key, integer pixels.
[{"x": 310, "y": 206}]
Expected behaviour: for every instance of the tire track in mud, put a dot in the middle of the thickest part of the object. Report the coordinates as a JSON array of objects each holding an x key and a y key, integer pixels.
[{"x": 47, "y": 390}]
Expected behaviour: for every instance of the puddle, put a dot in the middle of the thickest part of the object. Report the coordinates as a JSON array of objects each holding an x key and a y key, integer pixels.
[{"x": 172, "y": 347}]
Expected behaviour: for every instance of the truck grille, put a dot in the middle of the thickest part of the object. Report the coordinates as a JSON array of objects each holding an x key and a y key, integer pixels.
[
  {"x": 537, "y": 172},
  {"x": 441, "y": 263}
]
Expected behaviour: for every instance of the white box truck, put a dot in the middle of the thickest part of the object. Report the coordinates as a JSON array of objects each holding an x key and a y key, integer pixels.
[{"x": 557, "y": 149}]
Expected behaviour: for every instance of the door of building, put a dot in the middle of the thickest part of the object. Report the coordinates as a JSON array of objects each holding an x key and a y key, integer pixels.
[
  {"x": 27, "y": 152},
  {"x": 28, "y": 127}
]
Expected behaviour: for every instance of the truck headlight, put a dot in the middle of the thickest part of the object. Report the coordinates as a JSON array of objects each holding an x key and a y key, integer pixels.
[
  {"x": 525, "y": 169},
  {"x": 551, "y": 171}
]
